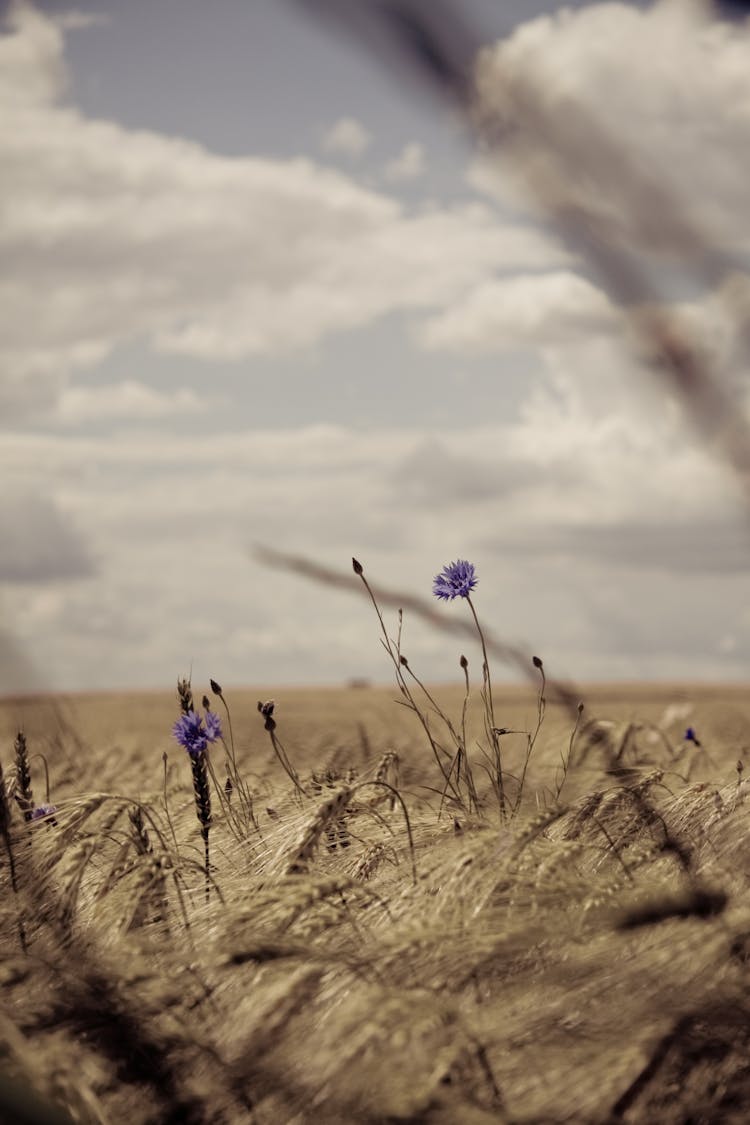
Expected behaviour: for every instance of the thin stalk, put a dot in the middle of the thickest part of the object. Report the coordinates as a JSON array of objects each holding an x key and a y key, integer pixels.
[
  {"x": 436, "y": 706},
  {"x": 490, "y": 725},
  {"x": 46, "y": 775},
  {"x": 266, "y": 710},
  {"x": 465, "y": 666},
  {"x": 166, "y": 807},
  {"x": 230, "y": 751},
  {"x": 566, "y": 760},
  {"x": 531, "y": 738},
  {"x": 396, "y": 657},
  {"x": 468, "y": 772}
]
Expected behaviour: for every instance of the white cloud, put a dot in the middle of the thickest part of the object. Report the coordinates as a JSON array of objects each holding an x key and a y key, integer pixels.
[
  {"x": 641, "y": 116},
  {"x": 408, "y": 165},
  {"x": 348, "y": 136},
  {"x": 566, "y": 513},
  {"x": 527, "y": 311},
  {"x": 32, "y": 69},
  {"x": 126, "y": 401},
  {"x": 368, "y": 269},
  {"x": 112, "y": 235}
]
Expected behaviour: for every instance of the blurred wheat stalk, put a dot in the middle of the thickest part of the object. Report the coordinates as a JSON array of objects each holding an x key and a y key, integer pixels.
[{"x": 554, "y": 151}]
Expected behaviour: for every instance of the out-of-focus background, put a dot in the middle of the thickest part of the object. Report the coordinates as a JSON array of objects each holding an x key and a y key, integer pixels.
[{"x": 256, "y": 290}]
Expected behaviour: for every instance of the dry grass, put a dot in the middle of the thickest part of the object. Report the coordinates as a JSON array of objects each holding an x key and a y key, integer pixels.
[{"x": 584, "y": 961}]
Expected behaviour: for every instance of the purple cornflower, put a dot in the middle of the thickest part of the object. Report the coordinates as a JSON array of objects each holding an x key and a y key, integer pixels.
[
  {"x": 213, "y": 726},
  {"x": 190, "y": 732},
  {"x": 456, "y": 580},
  {"x": 43, "y": 810},
  {"x": 691, "y": 736}
]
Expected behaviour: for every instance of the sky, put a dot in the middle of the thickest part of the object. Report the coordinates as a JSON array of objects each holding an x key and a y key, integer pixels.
[{"x": 260, "y": 286}]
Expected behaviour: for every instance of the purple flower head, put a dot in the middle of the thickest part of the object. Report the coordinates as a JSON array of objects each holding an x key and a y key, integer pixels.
[
  {"x": 42, "y": 811},
  {"x": 192, "y": 734},
  {"x": 456, "y": 580},
  {"x": 189, "y": 732},
  {"x": 691, "y": 736},
  {"x": 213, "y": 726}
]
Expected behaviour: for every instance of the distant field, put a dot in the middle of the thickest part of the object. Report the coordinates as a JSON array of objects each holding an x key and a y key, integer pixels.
[{"x": 576, "y": 955}]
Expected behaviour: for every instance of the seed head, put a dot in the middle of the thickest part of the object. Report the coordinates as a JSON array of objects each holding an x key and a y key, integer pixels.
[{"x": 185, "y": 695}]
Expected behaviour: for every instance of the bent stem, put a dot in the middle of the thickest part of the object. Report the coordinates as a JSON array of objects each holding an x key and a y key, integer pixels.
[
  {"x": 234, "y": 779},
  {"x": 397, "y": 797},
  {"x": 400, "y": 662}
]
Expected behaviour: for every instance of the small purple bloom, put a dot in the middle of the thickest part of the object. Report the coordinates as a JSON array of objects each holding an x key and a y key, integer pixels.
[
  {"x": 213, "y": 726},
  {"x": 42, "y": 811},
  {"x": 691, "y": 736},
  {"x": 456, "y": 580},
  {"x": 190, "y": 732}
]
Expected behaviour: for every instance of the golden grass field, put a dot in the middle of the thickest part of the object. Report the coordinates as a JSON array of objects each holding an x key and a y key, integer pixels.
[{"x": 584, "y": 959}]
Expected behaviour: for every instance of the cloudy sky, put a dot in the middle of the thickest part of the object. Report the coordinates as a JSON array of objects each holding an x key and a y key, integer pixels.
[{"x": 258, "y": 289}]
